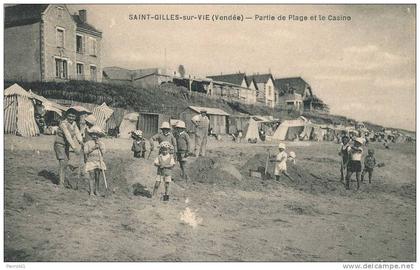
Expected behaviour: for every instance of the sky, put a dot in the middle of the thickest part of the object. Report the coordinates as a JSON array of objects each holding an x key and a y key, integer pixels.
[{"x": 363, "y": 68}]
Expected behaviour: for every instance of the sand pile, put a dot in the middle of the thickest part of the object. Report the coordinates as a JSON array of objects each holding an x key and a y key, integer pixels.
[
  {"x": 306, "y": 174},
  {"x": 213, "y": 170}
]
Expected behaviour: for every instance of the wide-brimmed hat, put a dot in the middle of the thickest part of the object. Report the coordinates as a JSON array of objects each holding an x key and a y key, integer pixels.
[
  {"x": 78, "y": 110},
  {"x": 203, "y": 111},
  {"x": 165, "y": 144},
  {"x": 180, "y": 124},
  {"x": 91, "y": 119},
  {"x": 96, "y": 130},
  {"x": 165, "y": 125},
  {"x": 282, "y": 146},
  {"x": 138, "y": 133},
  {"x": 359, "y": 140}
]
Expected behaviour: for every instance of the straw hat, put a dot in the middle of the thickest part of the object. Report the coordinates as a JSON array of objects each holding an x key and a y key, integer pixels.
[
  {"x": 91, "y": 119},
  {"x": 180, "y": 124},
  {"x": 282, "y": 146},
  {"x": 165, "y": 125},
  {"x": 138, "y": 133},
  {"x": 96, "y": 130},
  {"x": 359, "y": 140}
]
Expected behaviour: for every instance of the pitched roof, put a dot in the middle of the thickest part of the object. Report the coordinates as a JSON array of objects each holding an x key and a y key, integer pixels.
[
  {"x": 261, "y": 78},
  {"x": 249, "y": 80},
  {"x": 214, "y": 111},
  {"x": 117, "y": 73},
  {"x": 16, "y": 89},
  {"x": 31, "y": 13},
  {"x": 23, "y": 14},
  {"x": 236, "y": 78},
  {"x": 297, "y": 83},
  {"x": 85, "y": 26}
]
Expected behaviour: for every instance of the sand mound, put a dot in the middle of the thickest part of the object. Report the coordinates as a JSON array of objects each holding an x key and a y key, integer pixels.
[
  {"x": 302, "y": 172},
  {"x": 213, "y": 170}
]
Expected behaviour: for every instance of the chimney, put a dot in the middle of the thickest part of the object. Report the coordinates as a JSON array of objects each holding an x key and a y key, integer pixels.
[{"x": 83, "y": 15}]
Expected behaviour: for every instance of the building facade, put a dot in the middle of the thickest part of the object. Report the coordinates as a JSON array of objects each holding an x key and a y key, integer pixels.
[
  {"x": 266, "y": 90},
  {"x": 294, "y": 93},
  {"x": 48, "y": 43}
]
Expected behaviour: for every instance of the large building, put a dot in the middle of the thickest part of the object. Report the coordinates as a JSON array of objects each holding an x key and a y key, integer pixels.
[
  {"x": 294, "y": 93},
  {"x": 48, "y": 43},
  {"x": 237, "y": 85}
]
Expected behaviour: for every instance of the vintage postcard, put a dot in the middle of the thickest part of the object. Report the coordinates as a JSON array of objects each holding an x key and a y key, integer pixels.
[{"x": 210, "y": 133}]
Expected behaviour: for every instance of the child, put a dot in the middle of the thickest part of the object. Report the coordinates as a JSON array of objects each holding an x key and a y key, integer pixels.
[
  {"x": 165, "y": 136},
  {"x": 94, "y": 150},
  {"x": 344, "y": 153},
  {"x": 164, "y": 162},
  {"x": 280, "y": 160},
  {"x": 139, "y": 144},
  {"x": 183, "y": 143},
  {"x": 355, "y": 161},
  {"x": 370, "y": 163}
]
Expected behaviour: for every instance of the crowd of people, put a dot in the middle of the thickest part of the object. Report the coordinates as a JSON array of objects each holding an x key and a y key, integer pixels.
[{"x": 173, "y": 147}]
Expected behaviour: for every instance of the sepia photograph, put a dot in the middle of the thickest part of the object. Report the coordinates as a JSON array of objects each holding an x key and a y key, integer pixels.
[{"x": 210, "y": 133}]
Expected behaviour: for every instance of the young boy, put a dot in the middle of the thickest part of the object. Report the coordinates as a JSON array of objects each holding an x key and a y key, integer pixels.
[
  {"x": 94, "y": 150},
  {"x": 370, "y": 163},
  {"x": 344, "y": 153},
  {"x": 165, "y": 136},
  {"x": 164, "y": 163},
  {"x": 280, "y": 160},
  {"x": 139, "y": 144},
  {"x": 355, "y": 161},
  {"x": 183, "y": 147}
]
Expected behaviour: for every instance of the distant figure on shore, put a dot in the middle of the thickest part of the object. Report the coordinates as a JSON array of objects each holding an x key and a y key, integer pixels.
[
  {"x": 201, "y": 123},
  {"x": 67, "y": 135}
]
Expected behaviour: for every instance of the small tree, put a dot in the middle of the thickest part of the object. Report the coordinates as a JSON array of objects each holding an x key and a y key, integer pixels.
[{"x": 181, "y": 70}]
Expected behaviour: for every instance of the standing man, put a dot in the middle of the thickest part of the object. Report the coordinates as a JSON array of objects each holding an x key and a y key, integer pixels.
[
  {"x": 67, "y": 135},
  {"x": 201, "y": 123}
]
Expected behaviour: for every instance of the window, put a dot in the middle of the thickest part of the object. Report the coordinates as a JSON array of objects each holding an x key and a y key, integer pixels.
[
  {"x": 60, "y": 37},
  {"x": 92, "y": 47},
  {"x": 61, "y": 68},
  {"x": 79, "y": 69},
  {"x": 269, "y": 90},
  {"x": 93, "y": 73},
  {"x": 79, "y": 43},
  {"x": 60, "y": 11}
]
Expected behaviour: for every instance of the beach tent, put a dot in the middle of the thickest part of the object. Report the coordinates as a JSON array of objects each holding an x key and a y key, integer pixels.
[
  {"x": 19, "y": 112},
  {"x": 251, "y": 130},
  {"x": 102, "y": 114},
  {"x": 305, "y": 135},
  {"x": 290, "y": 129},
  {"x": 128, "y": 124}
]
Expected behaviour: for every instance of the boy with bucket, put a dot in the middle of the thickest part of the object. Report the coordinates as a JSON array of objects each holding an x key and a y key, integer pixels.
[{"x": 280, "y": 163}]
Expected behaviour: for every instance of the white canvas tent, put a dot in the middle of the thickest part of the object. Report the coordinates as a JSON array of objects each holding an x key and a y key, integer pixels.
[
  {"x": 251, "y": 131},
  {"x": 19, "y": 112},
  {"x": 290, "y": 129},
  {"x": 128, "y": 124}
]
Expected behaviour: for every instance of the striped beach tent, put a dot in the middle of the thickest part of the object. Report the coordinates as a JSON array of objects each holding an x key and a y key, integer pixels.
[
  {"x": 102, "y": 114},
  {"x": 19, "y": 112}
]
